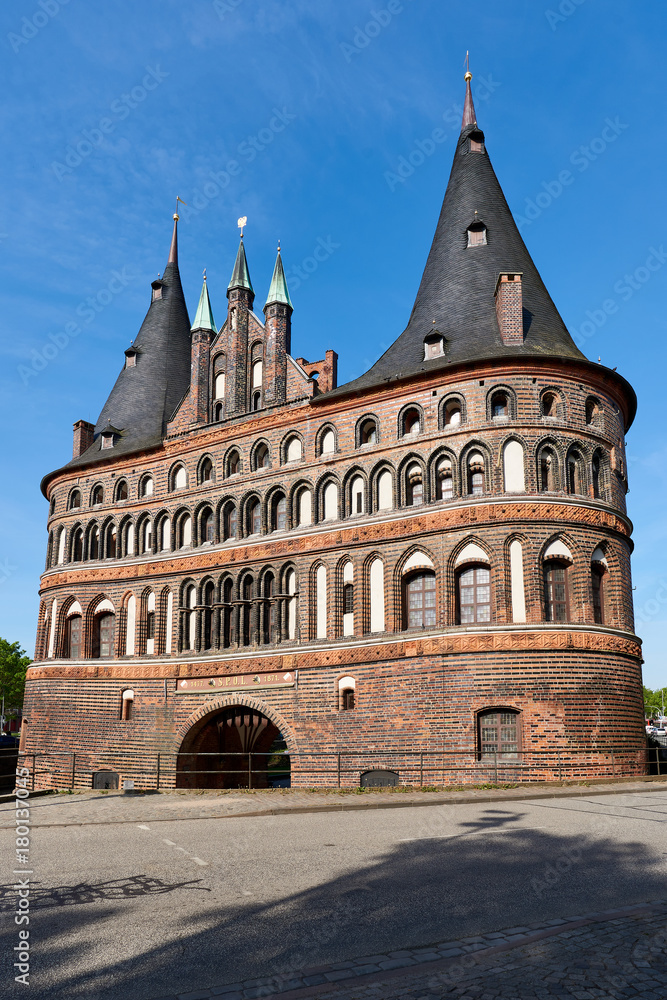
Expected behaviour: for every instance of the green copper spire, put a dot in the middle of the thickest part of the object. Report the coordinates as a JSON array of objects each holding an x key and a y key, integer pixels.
[
  {"x": 278, "y": 291},
  {"x": 241, "y": 275},
  {"x": 204, "y": 315}
]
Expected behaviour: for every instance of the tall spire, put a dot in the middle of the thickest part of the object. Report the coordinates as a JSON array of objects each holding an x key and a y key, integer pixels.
[
  {"x": 240, "y": 275},
  {"x": 173, "y": 249},
  {"x": 469, "y": 116},
  {"x": 204, "y": 315},
  {"x": 278, "y": 291}
]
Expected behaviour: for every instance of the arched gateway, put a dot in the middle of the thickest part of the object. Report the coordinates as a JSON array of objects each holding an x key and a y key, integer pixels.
[{"x": 233, "y": 746}]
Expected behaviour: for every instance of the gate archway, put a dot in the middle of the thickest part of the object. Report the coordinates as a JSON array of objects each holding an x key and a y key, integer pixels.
[{"x": 233, "y": 746}]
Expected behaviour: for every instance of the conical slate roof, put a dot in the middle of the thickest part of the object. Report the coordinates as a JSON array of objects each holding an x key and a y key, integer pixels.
[
  {"x": 458, "y": 284},
  {"x": 278, "y": 291},
  {"x": 146, "y": 394}
]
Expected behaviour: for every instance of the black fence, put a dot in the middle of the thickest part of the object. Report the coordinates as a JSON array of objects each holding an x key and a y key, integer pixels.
[{"x": 344, "y": 769}]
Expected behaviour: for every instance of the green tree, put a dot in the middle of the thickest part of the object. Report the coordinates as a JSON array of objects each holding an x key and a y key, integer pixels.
[
  {"x": 13, "y": 666},
  {"x": 653, "y": 702}
]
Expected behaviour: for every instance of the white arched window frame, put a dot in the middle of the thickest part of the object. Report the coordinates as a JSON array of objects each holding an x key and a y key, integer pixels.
[
  {"x": 305, "y": 508},
  {"x": 357, "y": 496},
  {"x": 186, "y": 532},
  {"x": 257, "y": 371},
  {"x": 330, "y": 502},
  {"x": 517, "y": 582},
  {"x": 180, "y": 478},
  {"x": 220, "y": 385},
  {"x": 61, "y": 546},
  {"x": 169, "y": 626},
  {"x": 348, "y": 599},
  {"x": 376, "y": 578},
  {"x": 328, "y": 443},
  {"x": 190, "y": 603},
  {"x": 385, "y": 491},
  {"x": 294, "y": 451},
  {"x": 150, "y": 631},
  {"x": 292, "y": 604},
  {"x": 165, "y": 534},
  {"x": 130, "y": 625},
  {"x": 513, "y": 467}
]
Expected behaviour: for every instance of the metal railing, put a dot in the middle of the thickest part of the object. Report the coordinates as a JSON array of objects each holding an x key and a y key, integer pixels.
[{"x": 334, "y": 769}]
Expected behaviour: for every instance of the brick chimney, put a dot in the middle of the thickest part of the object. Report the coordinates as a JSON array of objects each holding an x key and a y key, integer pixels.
[
  {"x": 509, "y": 307},
  {"x": 83, "y": 437}
]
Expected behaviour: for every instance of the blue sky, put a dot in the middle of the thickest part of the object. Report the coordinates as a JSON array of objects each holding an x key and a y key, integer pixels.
[{"x": 299, "y": 115}]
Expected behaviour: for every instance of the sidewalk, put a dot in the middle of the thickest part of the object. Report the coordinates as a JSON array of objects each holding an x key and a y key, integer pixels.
[
  {"x": 618, "y": 953},
  {"x": 90, "y": 808}
]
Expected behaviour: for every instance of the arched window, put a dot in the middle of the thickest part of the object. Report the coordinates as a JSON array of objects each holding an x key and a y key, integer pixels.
[
  {"x": 328, "y": 442},
  {"x": 500, "y": 407},
  {"x": 254, "y": 519},
  {"x": 164, "y": 534},
  {"x": 233, "y": 463},
  {"x": 190, "y": 617},
  {"x": 574, "y": 472},
  {"x": 60, "y": 548},
  {"x": 357, "y": 496},
  {"x": 246, "y": 609},
  {"x": 475, "y": 471},
  {"x": 94, "y": 543},
  {"x": 218, "y": 411},
  {"x": 127, "y": 705},
  {"x": 411, "y": 422},
  {"x": 97, "y": 496},
  {"x": 596, "y": 476},
  {"x": 73, "y": 638},
  {"x": 268, "y": 609},
  {"x": 368, "y": 431},
  {"x": 208, "y": 598},
  {"x": 292, "y": 607},
  {"x": 146, "y": 487},
  {"x": 103, "y": 635},
  {"x": 219, "y": 391},
  {"x": 129, "y": 538},
  {"x": 414, "y": 486},
  {"x": 346, "y": 691},
  {"x": 474, "y": 595},
  {"x": 556, "y": 590},
  {"x": 74, "y": 500},
  {"x": 179, "y": 479},
  {"x": 419, "y": 610},
  {"x": 294, "y": 450},
  {"x": 262, "y": 457},
  {"x": 207, "y": 527},
  {"x": 150, "y": 624},
  {"x": 445, "y": 479},
  {"x": 598, "y": 587},
  {"x": 77, "y": 545},
  {"x": 121, "y": 489},
  {"x": 549, "y": 404},
  {"x": 593, "y": 411},
  {"x": 279, "y": 512},
  {"x": 452, "y": 413},
  {"x": 227, "y": 613},
  {"x": 330, "y": 502},
  {"x": 257, "y": 367},
  {"x": 547, "y": 470},
  {"x": 229, "y": 521},
  {"x": 185, "y": 532},
  {"x": 256, "y": 400},
  {"x": 111, "y": 541},
  {"x": 206, "y": 471},
  {"x": 147, "y": 536},
  {"x": 385, "y": 490},
  {"x": 348, "y": 599},
  {"x": 499, "y": 733},
  {"x": 304, "y": 507}
]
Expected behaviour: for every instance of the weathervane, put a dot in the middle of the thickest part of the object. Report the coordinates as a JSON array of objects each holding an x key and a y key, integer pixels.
[
  {"x": 176, "y": 215},
  {"x": 241, "y": 223}
]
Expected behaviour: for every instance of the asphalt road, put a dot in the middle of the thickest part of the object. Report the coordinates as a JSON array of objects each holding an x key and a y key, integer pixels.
[{"x": 139, "y": 910}]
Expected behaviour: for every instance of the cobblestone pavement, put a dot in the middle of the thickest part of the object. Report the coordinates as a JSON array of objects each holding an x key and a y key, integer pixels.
[
  {"x": 619, "y": 954},
  {"x": 90, "y": 808}
]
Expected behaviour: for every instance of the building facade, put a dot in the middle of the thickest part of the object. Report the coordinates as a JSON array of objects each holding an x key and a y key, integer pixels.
[{"x": 430, "y": 562}]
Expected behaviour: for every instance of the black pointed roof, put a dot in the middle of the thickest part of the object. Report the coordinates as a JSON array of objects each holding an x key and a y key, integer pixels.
[
  {"x": 458, "y": 284},
  {"x": 146, "y": 394}
]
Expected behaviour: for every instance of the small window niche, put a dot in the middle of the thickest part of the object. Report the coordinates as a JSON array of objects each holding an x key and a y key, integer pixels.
[
  {"x": 346, "y": 694},
  {"x": 476, "y": 233},
  {"x": 157, "y": 290},
  {"x": 131, "y": 357},
  {"x": 127, "y": 705}
]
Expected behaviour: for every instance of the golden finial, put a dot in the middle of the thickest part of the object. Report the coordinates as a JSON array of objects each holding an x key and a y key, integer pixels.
[
  {"x": 468, "y": 74},
  {"x": 241, "y": 223},
  {"x": 204, "y": 274}
]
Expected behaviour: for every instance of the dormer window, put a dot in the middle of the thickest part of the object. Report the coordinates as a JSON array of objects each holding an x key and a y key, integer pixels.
[
  {"x": 476, "y": 146},
  {"x": 434, "y": 345},
  {"x": 131, "y": 357},
  {"x": 108, "y": 437},
  {"x": 477, "y": 234},
  {"x": 157, "y": 290}
]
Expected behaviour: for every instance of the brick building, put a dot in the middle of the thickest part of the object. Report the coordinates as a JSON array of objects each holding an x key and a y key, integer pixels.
[{"x": 432, "y": 559}]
